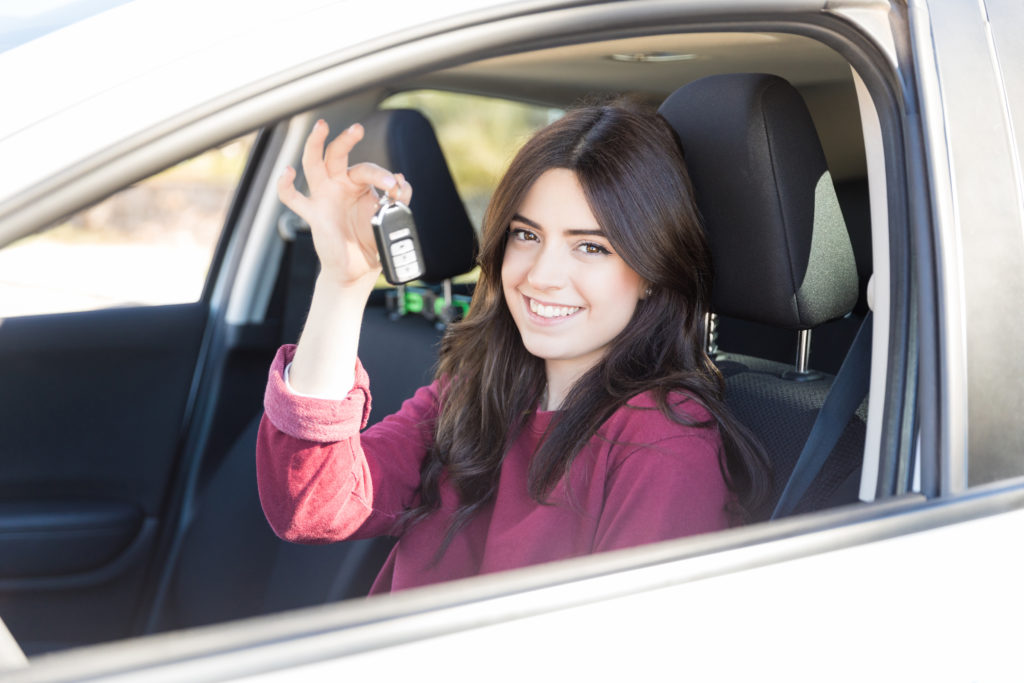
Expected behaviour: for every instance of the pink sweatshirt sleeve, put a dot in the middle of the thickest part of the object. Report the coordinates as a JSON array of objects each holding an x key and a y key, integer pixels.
[
  {"x": 663, "y": 490},
  {"x": 319, "y": 479}
]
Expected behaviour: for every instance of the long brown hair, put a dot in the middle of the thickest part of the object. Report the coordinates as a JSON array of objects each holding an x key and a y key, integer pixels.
[{"x": 630, "y": 166}]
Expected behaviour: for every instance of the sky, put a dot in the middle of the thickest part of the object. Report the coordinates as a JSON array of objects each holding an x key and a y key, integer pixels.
[{"x": 25, "y": 20}]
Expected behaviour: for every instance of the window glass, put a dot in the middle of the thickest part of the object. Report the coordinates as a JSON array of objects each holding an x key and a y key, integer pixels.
[{"x": 149, "y": 244}]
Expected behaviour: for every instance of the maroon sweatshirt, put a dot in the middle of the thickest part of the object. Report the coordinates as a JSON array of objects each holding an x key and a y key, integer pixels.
[{"x": 642, "y": 478}]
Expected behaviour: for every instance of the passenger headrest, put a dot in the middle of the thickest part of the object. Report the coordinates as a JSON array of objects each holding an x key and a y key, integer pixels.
[
  {"x": 779, "y": 244},
  {"x": 403, "y": 141}
]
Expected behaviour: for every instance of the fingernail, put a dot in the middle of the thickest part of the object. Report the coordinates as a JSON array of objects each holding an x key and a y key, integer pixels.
[{"x": 389, "y": 182}]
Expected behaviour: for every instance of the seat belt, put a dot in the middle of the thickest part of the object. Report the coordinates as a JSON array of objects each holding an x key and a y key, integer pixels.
[
  {"x": 847, "y": 392},
  {"x": 303, "y": 267}
]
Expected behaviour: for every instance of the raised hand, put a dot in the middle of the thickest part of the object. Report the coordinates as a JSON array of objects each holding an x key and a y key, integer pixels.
[{"x": 341, "y": 203}]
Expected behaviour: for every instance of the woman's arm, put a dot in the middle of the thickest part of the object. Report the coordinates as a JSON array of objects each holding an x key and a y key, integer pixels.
[
  {"x": 317, "y": 484},
  {"x": 339, "y": 207},
  {"x": 319, "y": 479}
]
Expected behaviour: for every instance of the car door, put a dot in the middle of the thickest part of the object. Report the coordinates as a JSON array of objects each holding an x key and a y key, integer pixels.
[{"x": 102, "y": 325}]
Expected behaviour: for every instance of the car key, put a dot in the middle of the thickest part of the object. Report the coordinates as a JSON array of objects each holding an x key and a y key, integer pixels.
[{"x": 397, "y": 241}]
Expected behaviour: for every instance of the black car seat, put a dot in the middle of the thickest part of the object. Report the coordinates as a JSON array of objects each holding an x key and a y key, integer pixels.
[
  {"x": 782, "y": 258},
  {"x": 230, "y": 564}
]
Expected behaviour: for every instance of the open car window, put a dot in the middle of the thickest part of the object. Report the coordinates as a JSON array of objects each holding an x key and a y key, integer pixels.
[{"x": 149, "y": 244}]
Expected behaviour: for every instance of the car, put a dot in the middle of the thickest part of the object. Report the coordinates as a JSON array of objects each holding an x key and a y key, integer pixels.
[{"x": 148, "y": 273}]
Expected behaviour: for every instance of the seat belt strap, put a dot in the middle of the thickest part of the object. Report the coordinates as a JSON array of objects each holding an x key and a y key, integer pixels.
[
  {"x": 847, "y": 392},
  {"x": 303, "y": 266}
]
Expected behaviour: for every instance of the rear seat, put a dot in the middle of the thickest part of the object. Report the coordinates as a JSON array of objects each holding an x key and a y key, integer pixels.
[
  {"x": 230, "y": 564},
  {"x": 782, "y": 256}
]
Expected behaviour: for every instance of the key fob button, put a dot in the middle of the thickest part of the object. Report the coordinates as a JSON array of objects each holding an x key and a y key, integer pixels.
[
  {"x": 405, "y": 259},
  {"x": 401, "y": 247},
  {"x": 408, "y": 272}
]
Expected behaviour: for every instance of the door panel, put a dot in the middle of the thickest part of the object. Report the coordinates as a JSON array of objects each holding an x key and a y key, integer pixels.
[
  {"x": 102, "y": 317},
  {"x": 92, "y": 406},
  {"x": 62, "y": 537}
]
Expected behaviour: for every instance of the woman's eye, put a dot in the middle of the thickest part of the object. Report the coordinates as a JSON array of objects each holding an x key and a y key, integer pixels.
[
  {"x": 593, "y": 248},
  {"x": 523, "y": 235}
]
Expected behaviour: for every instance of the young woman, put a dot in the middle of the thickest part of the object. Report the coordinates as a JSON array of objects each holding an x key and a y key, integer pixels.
[{"x": 574, "y": 409}]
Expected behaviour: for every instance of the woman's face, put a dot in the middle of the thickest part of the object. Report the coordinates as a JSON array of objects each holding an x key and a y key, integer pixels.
[{"x": 567, "y": 290}]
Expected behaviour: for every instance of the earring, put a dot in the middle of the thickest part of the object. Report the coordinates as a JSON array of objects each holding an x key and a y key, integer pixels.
[{"x": 647, "y": 292}]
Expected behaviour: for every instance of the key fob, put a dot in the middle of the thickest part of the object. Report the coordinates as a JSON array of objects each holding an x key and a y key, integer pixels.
[{"x": 397, "y": 242}]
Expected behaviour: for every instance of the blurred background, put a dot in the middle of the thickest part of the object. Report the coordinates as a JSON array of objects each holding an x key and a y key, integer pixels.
[{"x": 153, "y": 243}]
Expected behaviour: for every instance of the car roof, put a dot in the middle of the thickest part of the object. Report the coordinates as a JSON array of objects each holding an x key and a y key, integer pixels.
[
  {"x": 136, "y": 65},
  {"x": 129, "y": 77}
]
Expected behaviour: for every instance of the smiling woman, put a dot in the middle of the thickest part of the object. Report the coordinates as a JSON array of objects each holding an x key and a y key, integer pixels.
[{"x": 592, "y": 421}]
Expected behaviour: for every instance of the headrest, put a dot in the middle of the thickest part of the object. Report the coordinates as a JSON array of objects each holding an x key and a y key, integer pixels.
[
  {"x": 779, "y": 245},
  {"x": 403, "y": 141}
]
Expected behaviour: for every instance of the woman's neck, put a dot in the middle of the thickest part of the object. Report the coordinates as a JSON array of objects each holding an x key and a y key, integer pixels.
[{"x": 561, "y": 375}]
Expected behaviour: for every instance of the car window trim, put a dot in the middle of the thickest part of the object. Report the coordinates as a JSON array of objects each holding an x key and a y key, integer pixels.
[{"x": 343, "y": 629}]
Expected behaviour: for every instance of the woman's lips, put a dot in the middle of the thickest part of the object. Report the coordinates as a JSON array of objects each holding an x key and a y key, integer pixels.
[{"x": 549, "y": 312}]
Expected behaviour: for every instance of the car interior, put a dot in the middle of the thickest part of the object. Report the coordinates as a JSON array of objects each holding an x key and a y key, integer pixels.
[{"x": 772, "y": 132}]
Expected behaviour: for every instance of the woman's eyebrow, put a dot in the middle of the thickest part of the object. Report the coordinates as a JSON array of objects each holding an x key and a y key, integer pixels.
[
  {"x": 523, "y": 219},
  {"x": 571, "y": 231}
]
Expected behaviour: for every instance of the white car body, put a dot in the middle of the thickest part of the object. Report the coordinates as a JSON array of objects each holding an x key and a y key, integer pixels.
[{"x": 920, "y": 586}]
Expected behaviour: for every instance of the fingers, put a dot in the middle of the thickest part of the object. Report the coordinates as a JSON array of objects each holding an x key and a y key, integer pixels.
[
  {"x": 321, "y": 165},
  {"x": 289, "y": 196},
  {"x": 372, "y": 174},
  {"x": 404, "y": 189},
  {"x": 336, "y": 159},
  {"x": 313, "y": 155}
]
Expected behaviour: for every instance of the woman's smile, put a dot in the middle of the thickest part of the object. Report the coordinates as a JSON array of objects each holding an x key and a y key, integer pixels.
[{"x": 549, "y": 311}]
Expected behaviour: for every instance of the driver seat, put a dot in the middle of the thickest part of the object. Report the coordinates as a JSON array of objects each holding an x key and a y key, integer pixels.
[{"x": 782, "y": 257}]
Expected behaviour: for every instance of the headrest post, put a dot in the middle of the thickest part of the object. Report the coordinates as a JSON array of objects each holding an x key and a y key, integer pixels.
[
  {"x": 448, "y": 311},
  {"x": 399, "y": 309},
  {"x": 711, "y": 334},
  {"x": 802, "y": 372},
  {"x": 803, "y": 351}
]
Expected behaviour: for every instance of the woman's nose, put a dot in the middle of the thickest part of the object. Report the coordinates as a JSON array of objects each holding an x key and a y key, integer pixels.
[{"x": 549, "y": 270}]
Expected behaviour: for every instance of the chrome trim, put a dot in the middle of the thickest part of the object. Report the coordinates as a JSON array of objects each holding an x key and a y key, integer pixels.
[
  {"x": 803, "y": 351},
  {"x": 948, "y": 271},
  {"x": 879, "y": 287}
]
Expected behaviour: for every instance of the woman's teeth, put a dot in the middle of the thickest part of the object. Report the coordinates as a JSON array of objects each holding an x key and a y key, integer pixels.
[{"x": 552, "y": 311}]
